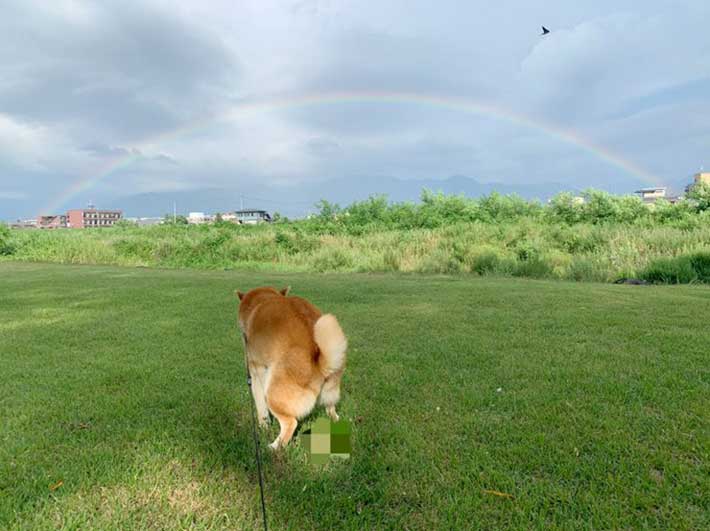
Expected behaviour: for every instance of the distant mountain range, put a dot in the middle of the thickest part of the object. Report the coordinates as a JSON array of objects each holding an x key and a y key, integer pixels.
[
  {"x": 296, "y": 201},
  {"x": 299, "y": 200}
]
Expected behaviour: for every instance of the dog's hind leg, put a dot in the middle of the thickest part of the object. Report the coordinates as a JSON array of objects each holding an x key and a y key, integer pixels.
[
  {"x": 288, "y": 426},
  {"x": 330, "y": 395},
  {"x": 258, "y": 391},
  {"x": 287, "y": 401}
]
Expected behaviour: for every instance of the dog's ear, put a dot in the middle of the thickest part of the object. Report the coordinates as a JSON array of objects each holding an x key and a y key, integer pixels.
[
  {"x": 285, "y": 291},
  {"x": 239, "y": 294}
]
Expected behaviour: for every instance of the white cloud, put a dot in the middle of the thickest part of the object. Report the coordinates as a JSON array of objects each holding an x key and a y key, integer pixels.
[
  {"x": 33, "y": 147},
  {"x": 595, "y": 68}
]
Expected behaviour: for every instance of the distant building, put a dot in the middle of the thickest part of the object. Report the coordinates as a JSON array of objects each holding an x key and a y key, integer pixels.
[
  {"x": 144, "y": 222},
  {"x": 252, "y": 217},
  {"x": 197, "y": 218},
  {"x": 30, "y": 223},
  {"x": 52, "y": 221},
  {"x": 91, "y": 217},
  {"x": 700, "y": 177},
  {"x": 230, "y": 217},
  {"x": 651, "y": 195}
]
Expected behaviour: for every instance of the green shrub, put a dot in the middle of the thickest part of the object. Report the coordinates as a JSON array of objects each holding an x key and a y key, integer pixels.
[
  {"x": 629, "y": 208},
  {"x": 565, "y": 207},
  {"x": 586, "y": 269},
  {"x": 247, "y": 250},
  {"x": 700, "y": 263},
  {"x": 296, "y": 242},
  {"x": 486, "y": 263},
  {"x": 580, "y": 239},
  {"x": 678, "y": 270},
  {"x": 284, "y": 241},
  {"x": 331, "y": 259},
  {"x": 598, "y": 207},
  {"x": 699, "y": 195},
  {"x": 526, "y": 251},
  {"x": 6, "y": 246},
  {"x": 164, "y": 250},
  {"x": 391, "y": 260},
  {"x": 664, "y": 212},
  {"x": 534, "y": 267},
  {"x": 440, "y": 261},
  {"x": 132, "y": 247}
]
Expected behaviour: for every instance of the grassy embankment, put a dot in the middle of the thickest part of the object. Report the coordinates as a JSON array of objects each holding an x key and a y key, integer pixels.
[
  {"x": 523, "y": 249},
  {"x": 604, "y": 239}
]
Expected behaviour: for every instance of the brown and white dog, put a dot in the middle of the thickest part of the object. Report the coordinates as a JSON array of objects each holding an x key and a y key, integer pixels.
[{"x": 295, "y": 355}]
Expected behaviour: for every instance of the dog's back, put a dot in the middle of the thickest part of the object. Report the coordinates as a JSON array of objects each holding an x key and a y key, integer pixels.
[
  {"x": 300, "y": 351},
  {"x": 280, "y": 332}
]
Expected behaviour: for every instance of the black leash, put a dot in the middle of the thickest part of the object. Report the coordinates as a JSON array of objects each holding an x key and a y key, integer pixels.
[{"x": 256, "y": 437}]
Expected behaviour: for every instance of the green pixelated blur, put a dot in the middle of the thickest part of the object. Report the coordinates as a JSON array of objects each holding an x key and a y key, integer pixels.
[{"x": 325, "y": 439}]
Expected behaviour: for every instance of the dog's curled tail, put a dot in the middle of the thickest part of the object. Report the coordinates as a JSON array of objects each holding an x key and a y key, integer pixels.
[{"x": 332, "y": 343}]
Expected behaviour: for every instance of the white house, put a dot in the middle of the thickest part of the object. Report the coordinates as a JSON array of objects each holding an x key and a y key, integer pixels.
[
  {"x": 196, "y": 218},
  {"x": 252, "y": 217},
  {"x": 653, "y": 194}
]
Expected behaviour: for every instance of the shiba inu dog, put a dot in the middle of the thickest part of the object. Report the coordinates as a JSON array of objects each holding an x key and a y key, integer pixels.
[{"x": 295, "y": 356}]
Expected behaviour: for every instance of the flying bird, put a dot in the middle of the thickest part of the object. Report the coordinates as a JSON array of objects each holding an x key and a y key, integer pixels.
[{"x": 545, "y": 31}]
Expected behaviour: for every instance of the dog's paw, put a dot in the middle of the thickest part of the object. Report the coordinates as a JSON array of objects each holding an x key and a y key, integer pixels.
[
  {"x": 275, "y": 445},
  {"x": 332, "y": 414},
  {"x": 264, "y": 422}
]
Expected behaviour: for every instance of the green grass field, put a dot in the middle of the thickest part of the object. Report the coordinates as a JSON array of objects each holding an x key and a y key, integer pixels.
[{"x": 123, "y": 404}]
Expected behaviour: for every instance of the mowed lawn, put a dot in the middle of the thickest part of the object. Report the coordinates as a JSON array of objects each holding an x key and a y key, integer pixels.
[{"x": 475, "y": 403}]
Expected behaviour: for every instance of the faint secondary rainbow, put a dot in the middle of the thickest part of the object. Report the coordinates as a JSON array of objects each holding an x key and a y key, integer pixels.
[{"x": 89, "y": 179}]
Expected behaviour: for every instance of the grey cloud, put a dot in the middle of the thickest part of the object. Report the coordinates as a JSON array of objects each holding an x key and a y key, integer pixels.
[
  {"x": 611, "y": 65},
  {"x": 374, "y": 62},
  {"x": 687, "y": 91},
  {"x": 106, "y": 151},
  {"x": 126, "y": 70},
  {"x": 322, "y": 146}
]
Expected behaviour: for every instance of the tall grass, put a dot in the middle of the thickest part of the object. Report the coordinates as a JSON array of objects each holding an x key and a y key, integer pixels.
[
  {"x": 602, "y": 238},
  {"x": 526, "y": 247}
]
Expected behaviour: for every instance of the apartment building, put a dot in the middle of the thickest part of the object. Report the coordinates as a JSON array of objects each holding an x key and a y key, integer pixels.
[{"x": 85, "y": 218}]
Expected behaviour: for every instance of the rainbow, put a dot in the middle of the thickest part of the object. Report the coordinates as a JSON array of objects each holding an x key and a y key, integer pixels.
[{"x": 90, "y": 178}]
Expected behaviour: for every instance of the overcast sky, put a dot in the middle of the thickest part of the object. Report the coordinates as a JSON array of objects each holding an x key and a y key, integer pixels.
[{"x": 155, "y": 90}]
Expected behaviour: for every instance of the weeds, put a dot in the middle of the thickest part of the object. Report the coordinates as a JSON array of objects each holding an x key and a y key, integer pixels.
[{"x": 602, "y": 239}]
